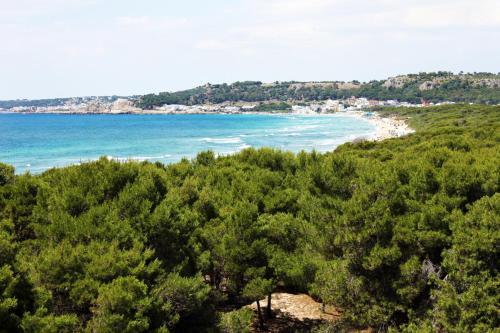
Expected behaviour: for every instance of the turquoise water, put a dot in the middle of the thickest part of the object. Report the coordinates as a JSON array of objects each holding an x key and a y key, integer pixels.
[{"x": 36, "y": 142}]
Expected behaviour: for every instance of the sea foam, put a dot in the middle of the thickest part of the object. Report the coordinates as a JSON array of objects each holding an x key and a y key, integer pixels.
[{"x": 223, "y": 140}]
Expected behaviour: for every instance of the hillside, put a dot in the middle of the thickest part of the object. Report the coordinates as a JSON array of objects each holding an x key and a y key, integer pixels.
[
  {"x": 483, "y": 88},
  {"x": 400, "y": 235},
  {"x": 432, "y": 87}
]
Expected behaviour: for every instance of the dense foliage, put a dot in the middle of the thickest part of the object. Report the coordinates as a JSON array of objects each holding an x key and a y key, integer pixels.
[
  {"x": 478, "y": 88},
  {"x": 273, "y": 107},
  {"x": 402, "y": 234}
]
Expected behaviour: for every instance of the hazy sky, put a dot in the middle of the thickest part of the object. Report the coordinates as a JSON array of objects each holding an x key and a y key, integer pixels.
[{"x": 57, "y": 48}]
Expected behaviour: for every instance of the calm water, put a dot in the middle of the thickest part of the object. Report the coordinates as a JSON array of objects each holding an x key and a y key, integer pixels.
[{"x": 36, "y": 142}]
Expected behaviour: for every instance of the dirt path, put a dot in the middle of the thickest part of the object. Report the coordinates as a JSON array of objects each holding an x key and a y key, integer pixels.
[
  {"x": 294, "y": 313},
  {"x": 299, "y": 306}
]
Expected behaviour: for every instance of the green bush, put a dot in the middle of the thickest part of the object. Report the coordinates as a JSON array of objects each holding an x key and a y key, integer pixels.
[{"x": 237, "y": 321}]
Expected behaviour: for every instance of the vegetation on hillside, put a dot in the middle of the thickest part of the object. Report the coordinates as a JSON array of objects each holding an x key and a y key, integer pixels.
[
  {"x": 402, "y": 235},
  {"x": 483, "y": 88},
  {"x": 432, "y": 87},
  {"x": 273, "y": 107}
]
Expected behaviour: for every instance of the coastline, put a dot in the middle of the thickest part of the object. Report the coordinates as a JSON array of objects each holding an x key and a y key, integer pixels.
[{"x": 385, "y": 127}]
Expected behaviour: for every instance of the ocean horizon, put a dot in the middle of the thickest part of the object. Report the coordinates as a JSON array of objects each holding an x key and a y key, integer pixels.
[{"x": 37, "y": 142}]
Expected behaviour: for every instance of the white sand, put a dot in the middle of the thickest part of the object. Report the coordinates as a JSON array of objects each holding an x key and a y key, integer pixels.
[{"x": 386, "y": 127}]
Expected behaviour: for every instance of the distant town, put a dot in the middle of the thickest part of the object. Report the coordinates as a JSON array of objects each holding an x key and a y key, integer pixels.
[{"x": 411, "y": 90}]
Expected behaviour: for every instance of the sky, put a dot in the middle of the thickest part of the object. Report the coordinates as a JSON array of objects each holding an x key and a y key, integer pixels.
[{"x": 62, "y": 48}]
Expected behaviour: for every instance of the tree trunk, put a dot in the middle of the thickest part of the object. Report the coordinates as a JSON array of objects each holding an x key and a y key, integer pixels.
[
  {"x": 269, "y": 311},
  {"x": 261, "y": 321}
]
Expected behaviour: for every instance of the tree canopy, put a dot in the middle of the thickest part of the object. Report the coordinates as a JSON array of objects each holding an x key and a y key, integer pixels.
[
  {"x": 402, "y": 234},
  {"x": 432, "y": 87}
]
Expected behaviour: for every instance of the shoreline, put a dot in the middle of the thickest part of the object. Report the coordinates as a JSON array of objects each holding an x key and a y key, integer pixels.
[{"x": 385, "y": 127}]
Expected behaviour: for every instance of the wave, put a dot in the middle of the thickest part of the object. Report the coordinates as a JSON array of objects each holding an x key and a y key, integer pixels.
[
  {"x": 234, "y": 151},
  {"x": 335, "y": 142},
  {"x": 299, "y": 128},
  {"x": 230, "y": 139},
  {"x": 244, "y": 146},
  {"x": 137, "y": 158},
  {"x": 327, "y": 142}
]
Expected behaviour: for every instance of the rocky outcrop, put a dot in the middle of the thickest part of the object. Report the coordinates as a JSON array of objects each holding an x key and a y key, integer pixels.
[
  {"x": 427, "y": 85},
  {"x": 348, "y": 85},
  {"x": 487, "y": 83},
  {"x": 396, "y": 82},
  {"x": 122, "y": 105},
  {"x": 491, "y": 83},
  {"x": 333, "y": 85},
  {"x": 92, "y": 107},
  {"x": 434, "y": 83}
]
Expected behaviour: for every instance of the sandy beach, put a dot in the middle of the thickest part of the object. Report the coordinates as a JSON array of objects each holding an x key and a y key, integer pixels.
[{"x": 386, "y": 127}]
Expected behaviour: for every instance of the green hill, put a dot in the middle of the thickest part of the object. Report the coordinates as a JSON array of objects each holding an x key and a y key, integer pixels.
[
  {"x": 432, "y": 87},
  {"x": 482, "y": 88}
]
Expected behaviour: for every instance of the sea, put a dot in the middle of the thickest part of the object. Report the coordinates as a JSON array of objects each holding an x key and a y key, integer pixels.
[{"x": 37, "y": 142}]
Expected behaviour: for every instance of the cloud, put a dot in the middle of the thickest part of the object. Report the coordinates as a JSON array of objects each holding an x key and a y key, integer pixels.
[
  {"x": 296, "y": 6},
  {"x": 466, "y": 14},
  {"x": 14, "y": 10},
  {"x": 278, "y": 32},
  {"x": 384, "y": 13},
  {"x": 211, "y": 45},
  {"x": 85, "y": 51},
  {"x": 150, "y": 23},
  {"x": 195, "y": 41}
]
